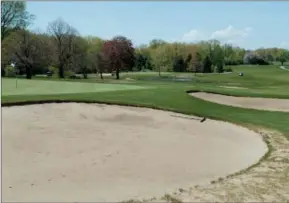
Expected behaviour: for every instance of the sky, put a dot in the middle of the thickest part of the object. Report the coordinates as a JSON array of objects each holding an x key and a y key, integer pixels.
[{"x": 246, "y": 24}]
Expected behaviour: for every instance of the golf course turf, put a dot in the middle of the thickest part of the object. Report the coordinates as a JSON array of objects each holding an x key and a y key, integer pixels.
[
  {"x": 39, "y": 87},
  {"x": 266, "y": 181}
]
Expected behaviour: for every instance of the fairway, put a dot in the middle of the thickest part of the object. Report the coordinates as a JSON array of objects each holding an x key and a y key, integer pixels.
[{"x": 39, "y": 87}]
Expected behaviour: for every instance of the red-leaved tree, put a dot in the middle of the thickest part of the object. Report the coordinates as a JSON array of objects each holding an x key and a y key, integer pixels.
[{"x": 118, "y": 54}]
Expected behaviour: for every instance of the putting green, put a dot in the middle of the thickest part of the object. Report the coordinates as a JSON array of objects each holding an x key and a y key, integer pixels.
[{"x": 40, "y": 87}]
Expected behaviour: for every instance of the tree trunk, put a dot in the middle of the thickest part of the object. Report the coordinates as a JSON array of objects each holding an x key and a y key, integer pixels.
[
  {"x": 101, "y": 77},
  {"x": 28, "y": 70},
  {"x": 117, "y": 73},
  {"x": 84, "y": 73},
  {"x": 61, "y": 71},
  {"x": 282, "y": 62},
  {"x": 2, "y": 71}
]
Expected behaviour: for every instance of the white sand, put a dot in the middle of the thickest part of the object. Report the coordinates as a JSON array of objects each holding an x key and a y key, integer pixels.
[
  {"x": 282, "y": 67},
  {"x": 269, "y": 104},
  {"x": 91, "y": 152},
  {"x": 233, "y": 87}
]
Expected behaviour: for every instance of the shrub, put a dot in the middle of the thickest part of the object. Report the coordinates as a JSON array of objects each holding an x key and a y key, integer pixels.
[
  {"x": 10, "y": 71},
  {"x": 53, "y": 70},
  {"x": 74, "y": 77},
  {"x": 254, "y": 59},
  {"x": 228, "y": 69},
  {"x": 220, "y": 67},
  {"x": 68, "y": 73}
]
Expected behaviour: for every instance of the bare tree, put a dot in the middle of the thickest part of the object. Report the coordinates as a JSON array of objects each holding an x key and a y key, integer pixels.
[
  {"x": 13, "y": 16},
  {"x": 26, "y": 51},
  {"x": 64, "y": 37},
  {"x": 32, "y": 51},
  {"x": 81, "y": 60}
]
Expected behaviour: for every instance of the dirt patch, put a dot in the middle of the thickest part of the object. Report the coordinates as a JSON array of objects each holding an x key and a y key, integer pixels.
[
  {"x": 246, "y": 102},
  {"x": 90, "y": 152}
]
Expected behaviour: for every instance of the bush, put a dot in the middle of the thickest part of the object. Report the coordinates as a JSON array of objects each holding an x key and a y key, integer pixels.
[
  {"x": 53, "y": 70},
  {"x": 68, "y": 73},
  {"x": 74, "y": 77},
  {"x": 220, "y": 67},
  {"x": 228, "y": 69},
  {"x": 254, "y": 59},
  {"x": 10, "y": 71}
]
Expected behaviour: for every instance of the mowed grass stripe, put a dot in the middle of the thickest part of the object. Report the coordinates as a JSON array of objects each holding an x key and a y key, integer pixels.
[{"x": 39, "y": 87}]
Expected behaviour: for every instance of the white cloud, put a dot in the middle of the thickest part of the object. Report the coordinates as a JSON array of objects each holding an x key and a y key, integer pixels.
[
  {"x": 231, "y": 33},
  {"x": 192, "y": 35}
]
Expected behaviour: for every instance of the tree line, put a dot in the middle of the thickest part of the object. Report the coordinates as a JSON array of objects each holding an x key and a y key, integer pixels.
[{"x": 62, "y": 51}]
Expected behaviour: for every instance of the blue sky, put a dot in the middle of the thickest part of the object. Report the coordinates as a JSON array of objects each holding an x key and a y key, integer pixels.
[{"x": 246, "y": 24}]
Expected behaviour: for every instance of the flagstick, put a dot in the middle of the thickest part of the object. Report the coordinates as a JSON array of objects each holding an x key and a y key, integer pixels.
[{"x": 13, "y": 65}]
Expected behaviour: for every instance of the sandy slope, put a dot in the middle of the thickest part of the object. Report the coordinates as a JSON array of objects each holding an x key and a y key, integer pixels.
[
  {"x": 86, "y": 152},
  {"x": 246, "y": 102},
  {"x": 266, "y": 182}
]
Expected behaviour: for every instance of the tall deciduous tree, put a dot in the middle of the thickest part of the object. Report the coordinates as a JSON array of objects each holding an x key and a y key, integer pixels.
[
  {"x": 64, "y": 37},
  {"x": 282, "y": 56},
  {"x": 187, "y": 62},
  {"x": 102, "y": 62},
  {"x": 119, "y": 54},
  {"x": 27, "y": 51},
  {"x": 197, "y": 63},
  {"x": 140, "y": 61},
  {"x": 95, "y": 45},
  {"x": 155, "y": 43},
  {"x": 81, "y": 61},
  {"x": 13, "y": 16}
]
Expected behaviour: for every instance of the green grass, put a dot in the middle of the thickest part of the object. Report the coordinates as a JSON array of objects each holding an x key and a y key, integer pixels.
[
  {"x": 260, "y": 81},
  {"x": 38, "y": 87},
  {"x": 268, "y": 81}
]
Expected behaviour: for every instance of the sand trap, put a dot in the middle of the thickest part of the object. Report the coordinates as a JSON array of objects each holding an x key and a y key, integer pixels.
[
  {"x": 233, "y": 87},
  {"x": 246, "y": 102},
  {"x": 283, "y": 67},
  {"x": 91, "y": 152}
]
